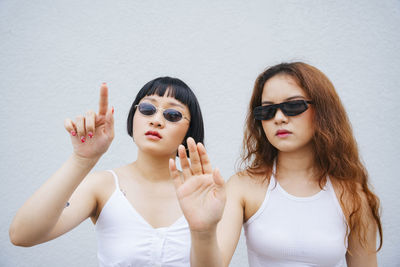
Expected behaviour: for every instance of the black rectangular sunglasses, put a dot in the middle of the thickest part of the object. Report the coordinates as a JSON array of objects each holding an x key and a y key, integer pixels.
[{"x": 289, "y": 108}]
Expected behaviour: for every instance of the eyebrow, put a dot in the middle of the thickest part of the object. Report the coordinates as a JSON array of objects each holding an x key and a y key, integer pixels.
[
  {"x": 153, "y": 100},
  {"x": 286, "y": 99}
]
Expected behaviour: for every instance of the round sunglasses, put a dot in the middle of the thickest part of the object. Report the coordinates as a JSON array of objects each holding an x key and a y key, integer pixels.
[
  {"x": 169, "y": 114},
  {"x": 289, "y": 108}
]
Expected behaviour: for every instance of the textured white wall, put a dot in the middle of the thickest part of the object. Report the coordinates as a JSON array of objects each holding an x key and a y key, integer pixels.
[{"x": 55, "y": 54}]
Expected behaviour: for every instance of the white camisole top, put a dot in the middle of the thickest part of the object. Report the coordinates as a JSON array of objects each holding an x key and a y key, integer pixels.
[
  {"x": 290, "y": 231},
  {"x": 126, "y": 239}
]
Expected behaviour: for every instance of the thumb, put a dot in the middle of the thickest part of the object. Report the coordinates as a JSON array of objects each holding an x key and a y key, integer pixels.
[
  {"x": 174, "y": 174},
  {"x": 218, "y": 179}
]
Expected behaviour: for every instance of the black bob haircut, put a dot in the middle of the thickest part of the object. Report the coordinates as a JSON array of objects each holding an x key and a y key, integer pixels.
[{"x": 180, "y": 91}]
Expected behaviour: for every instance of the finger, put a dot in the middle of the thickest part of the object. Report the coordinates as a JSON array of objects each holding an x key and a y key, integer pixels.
[
  {"x": 174, "y": 173},
  {"x": 69, "y": 125},
  {"x": 103, "y": 103},
  {"x": 90, "y": 123},
  {"x": 205, "y": 161},
  {"x": 184, "y": 162},
  {"x": 109, "y": 123},
  {"x": 194, "y": 157},
  {"x": 80, "y": 128},
  {"x": 218, "y": 179}
]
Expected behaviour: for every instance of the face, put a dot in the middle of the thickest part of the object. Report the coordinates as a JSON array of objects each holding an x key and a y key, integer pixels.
[
  {"x": 154, "y": 133},
  {"x": 287, "y": 133}
]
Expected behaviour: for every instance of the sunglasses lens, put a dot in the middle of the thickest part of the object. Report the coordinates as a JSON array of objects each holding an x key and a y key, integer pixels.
[
  {"x": 147, "y": 109},
  {"x": 293, "y": 108},
  {"x": 172, "y": 115},
  {"x": 264, "y": 112},
  {"x": 290, "y": 108}
]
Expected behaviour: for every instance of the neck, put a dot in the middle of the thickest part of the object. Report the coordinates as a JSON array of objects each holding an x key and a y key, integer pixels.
[
  {"x": 152, "y": 168},
  {"x": 296, "y": 164}
]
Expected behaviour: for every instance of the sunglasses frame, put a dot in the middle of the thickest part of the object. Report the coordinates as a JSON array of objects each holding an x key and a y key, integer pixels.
[
  {"x": 275, "y": 107},
  {"x": 163, "y": 112}
]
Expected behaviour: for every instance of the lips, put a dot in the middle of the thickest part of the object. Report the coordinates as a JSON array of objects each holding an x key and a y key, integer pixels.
[
  {"x": 282, "y": 133},
  {"x": 153, "y": 133}
]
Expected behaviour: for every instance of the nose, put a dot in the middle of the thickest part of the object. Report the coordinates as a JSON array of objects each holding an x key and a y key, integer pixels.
[
  {"x": 280, "y": 117},
  {"x": 157, "y": 119}
]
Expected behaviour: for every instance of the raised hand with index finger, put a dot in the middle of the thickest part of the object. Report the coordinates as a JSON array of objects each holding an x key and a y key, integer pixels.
[
  {"x": 200, "y": 189},
  {"x": 92, "y": 134}
]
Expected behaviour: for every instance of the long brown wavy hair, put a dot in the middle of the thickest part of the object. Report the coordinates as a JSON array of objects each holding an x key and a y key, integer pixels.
[{"x": 335, "y": 148}]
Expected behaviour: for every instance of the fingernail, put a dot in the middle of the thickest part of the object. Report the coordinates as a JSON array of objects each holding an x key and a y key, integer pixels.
[
  {"x": 90, "y": 134},
  {"x": 112, "y": 110},
  {"x": 73, "y": 133},
  {"x": 83, "y": 139}
]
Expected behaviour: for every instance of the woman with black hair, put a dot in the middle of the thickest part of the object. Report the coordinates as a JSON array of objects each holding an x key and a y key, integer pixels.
[{"x": 137, "y": 217}]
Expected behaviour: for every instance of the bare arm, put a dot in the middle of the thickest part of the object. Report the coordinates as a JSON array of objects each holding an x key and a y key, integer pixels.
[
  {"x": 230, "y": 226},
  {"x": 36, "y": 219},
  {"x": 44, "y": 216},
  {"x": 359, "y": 255}
]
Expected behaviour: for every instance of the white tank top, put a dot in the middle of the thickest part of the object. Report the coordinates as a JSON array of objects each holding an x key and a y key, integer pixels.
[
  {"x": 125, "y": 238},
  {"x": 290, "y": 231}
]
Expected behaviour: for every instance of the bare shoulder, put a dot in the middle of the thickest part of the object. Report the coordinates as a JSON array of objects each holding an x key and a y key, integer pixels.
[
  {"x": 351, "y": 197},
  {"x": 250, "y": 189},
  {"x": 245, "y": 179},
  {"x": 338, "y": 187},
  {"x": 242, "y": 183},
  {"x": 342, "y": 191},
  {"x": 98, "y": 180},
  {"x": 236, "y": 181},
  {"x": 102, "y": 185}
]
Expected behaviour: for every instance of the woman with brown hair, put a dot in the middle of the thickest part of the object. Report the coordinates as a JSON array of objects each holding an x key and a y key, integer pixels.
[{"x": 302, "y": 197}]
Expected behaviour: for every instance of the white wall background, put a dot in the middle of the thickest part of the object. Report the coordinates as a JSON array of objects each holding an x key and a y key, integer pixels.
[{"x": 55, "y": 54}]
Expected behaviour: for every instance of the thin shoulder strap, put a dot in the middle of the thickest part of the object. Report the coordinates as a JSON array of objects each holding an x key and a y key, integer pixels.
[
  {"x": 329, "y": 187},
  {"x": 272, "y": 180},
  {"x": 274, "y": 167},
  {"x": 115, "y": 179}
]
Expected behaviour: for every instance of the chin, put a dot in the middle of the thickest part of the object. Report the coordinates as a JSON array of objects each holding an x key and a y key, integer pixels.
[
  {"x": 286, "y": 149},
  {"x": 292, "y": 148},
  {"x": 156, "y": 151}
]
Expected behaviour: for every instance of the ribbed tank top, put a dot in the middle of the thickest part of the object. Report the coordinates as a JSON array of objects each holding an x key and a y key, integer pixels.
[
  {"x": 289, "y": 231},
  {"x": 125, "y": 238}
]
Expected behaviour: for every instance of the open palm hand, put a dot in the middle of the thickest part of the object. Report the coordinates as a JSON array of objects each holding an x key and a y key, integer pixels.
[{"x": 200, "y": 189}]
